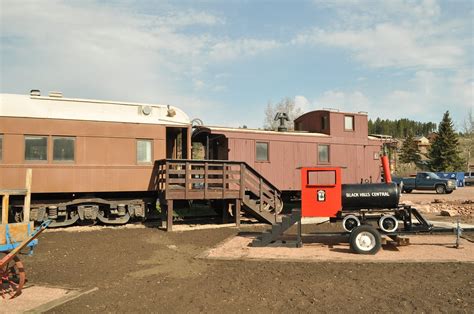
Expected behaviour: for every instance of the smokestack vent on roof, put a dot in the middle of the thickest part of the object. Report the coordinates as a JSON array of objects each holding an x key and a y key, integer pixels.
[{"x": 35, "y": 92}]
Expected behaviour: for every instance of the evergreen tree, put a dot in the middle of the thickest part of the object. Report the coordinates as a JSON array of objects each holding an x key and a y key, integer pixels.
[
  {"x": 444, "y": 153},
  {"x": 409, "y": 151}
]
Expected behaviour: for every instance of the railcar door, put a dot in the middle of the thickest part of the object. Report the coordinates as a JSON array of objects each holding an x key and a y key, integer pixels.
[{"x": 177, "y": 143}]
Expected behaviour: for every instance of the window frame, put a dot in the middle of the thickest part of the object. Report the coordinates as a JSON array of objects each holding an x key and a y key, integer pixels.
[
  {"x": 328, "y": 153},
  {"x": 53, "y": 137},
  {"x": 36, "y": 160},
  {"x": 268, "y": 151},
  {"x": 353, "y": 123},
  {"x": 151, "y": 151}
]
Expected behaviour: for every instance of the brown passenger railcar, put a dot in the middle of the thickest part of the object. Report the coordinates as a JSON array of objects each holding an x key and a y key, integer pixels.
[{"x": 91, "y": 159}]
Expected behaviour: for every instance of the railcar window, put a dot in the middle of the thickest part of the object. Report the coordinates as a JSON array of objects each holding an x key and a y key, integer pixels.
[
  {"x": 321, "y": 177},
  {"x": 349, "y": 123},
  {"x": 262, "y": 151},
  {"x": 324, "y": 122},
  {"x": 63, "y": 148},
  {"x": 144, "y": 151},
  {"x": 1, "y": 147},
  {"x": 323, "y": 153},
  {"x": 36, "y": 148}
]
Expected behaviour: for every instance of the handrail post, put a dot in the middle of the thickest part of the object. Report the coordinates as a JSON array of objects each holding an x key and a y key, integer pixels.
[
  {"x": 167, "y": 176},
  {"x": 206, "y": 183},
  {"x": 187, "y": 173},
  {"x": 261, "y": 193},
  {"x": 224, "y": 179}
]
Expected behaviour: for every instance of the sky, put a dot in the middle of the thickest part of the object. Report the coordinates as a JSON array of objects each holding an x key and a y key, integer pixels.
[{"x": 224, "y": 61}]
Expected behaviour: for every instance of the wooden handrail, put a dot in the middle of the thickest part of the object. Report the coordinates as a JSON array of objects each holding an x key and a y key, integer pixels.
[{"x": 210, "y": 176}]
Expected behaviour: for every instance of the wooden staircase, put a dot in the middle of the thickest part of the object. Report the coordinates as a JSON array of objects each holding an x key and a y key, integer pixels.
[
  {"x": 279, "y": 228},
  {"x": 218, "y": 180}
]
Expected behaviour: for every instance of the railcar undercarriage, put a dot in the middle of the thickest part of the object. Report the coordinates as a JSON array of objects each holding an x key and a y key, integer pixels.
[{"x": 86, "y": 211}]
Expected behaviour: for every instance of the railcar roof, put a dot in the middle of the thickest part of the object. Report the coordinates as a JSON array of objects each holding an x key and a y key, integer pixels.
[
  {"x": 26, "y": 106},
  {"x": 245, "y": 130}
]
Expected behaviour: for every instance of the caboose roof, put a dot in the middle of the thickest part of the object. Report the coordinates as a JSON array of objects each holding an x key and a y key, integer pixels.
[
  {"x": 216, "y": 129},
  {"x": 26, "y": 106}
]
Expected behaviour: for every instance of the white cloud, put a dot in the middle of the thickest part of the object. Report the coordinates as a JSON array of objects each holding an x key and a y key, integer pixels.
[
  {"x": 92, "y": 49},
  {"x": 428, "y": 96},
  {"x": 398, "y": 33},
  {"x": 232, "y": 49},
  {"x": 345, "y": 101},
  {"x": 389, "y": 45},
  {"x": 302, "y": 102}
]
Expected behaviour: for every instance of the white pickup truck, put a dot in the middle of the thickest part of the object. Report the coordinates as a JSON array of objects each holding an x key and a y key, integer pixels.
[{"x": 469, "y": 178}]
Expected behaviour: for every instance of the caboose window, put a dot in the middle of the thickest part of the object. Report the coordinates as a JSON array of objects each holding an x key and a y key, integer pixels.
[
  {"x": 63, "y": 148},
  {"x": 349, "y": 123},
  {"x": 144, "y": 151},
  {"x": 36, "y": 148},
  {"x": 262, "y": 151},
  {"x": 323, "y": 153}
]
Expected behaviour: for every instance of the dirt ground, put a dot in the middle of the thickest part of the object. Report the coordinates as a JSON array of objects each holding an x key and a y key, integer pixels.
[
  {"x": 460, "y": 203},
  {"x": 138, "y": 268},
  {"x": 149, "y": 270}
]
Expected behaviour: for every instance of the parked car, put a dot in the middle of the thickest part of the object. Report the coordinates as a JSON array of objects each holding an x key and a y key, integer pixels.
[
  {"x": 426, "y": 181},
  {"x": 469, "y": 178}
]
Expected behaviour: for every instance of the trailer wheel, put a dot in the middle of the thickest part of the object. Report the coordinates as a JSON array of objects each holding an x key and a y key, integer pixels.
[
  {"x": 365, "y": 239},
  {"x": 440, "y": 189},
  {"x": 407, "y": 190},
  {"x": 350, "y": 222},
  {"x": 388, "y": 223}
]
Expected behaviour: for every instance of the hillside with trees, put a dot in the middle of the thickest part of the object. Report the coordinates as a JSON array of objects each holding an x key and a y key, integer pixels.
[{"x": 400, "y": 128}]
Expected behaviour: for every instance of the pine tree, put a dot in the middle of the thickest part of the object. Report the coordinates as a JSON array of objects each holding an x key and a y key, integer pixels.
[
  {"x": 444, "y": 153},
  {"x": 409, "y": 151}
]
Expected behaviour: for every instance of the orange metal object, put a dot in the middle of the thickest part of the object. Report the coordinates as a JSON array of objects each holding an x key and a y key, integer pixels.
[
  {"x": 320, "y": 191},
  {"x": 386, "y": 169}
]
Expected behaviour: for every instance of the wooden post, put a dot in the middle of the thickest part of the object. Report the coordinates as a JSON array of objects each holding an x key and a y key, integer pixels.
[
  {"x": 5, "y": 203},
  {"x": 206, "y": 184},
  {"x": 187, "y": 171},
  {"x": 169, "y": 213},
  {"x": 224, "y": 179},
  {"x": 27, "y": 202},
  {"x": 242, "y": 180},
  {"x": 225, "y": 212},
  {"x": 237, "y": 212},
  {"x": 261, "y": 193}
]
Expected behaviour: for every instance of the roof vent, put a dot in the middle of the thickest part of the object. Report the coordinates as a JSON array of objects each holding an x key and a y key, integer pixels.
[
  {"x": 171, "y": 112},
  {"x": 146, "y": 110},
  {"x": 35, "y": 92},
  {"x": 55, "y": 94},
  {"x": 282, "y": 116}
]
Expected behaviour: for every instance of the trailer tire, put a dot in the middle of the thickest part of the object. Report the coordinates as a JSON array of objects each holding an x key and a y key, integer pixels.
[
  {"x": 440, "y": 189},
  {"x": 407, "y": 190},
  {"x": 365, "y": 239}
]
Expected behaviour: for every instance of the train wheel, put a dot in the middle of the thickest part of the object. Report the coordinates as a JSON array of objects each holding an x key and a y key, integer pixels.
[
  {"x": 13, "y": 278},
  {"x": 350, "y": 222},
  {"x": 365, "y": 239},
  {"x": 388, "y": 223}
]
